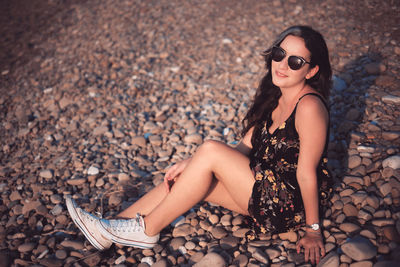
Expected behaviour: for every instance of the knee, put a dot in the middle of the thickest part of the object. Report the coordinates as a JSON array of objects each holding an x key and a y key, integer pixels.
[{"x": 210, "y": 148}]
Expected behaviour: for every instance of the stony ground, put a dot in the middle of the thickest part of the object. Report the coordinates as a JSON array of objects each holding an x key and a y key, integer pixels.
[{"x": 98, "y": 97}]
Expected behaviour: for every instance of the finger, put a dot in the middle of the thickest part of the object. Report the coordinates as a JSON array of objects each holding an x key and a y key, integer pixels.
[
  {"x": 317, "y": 255},
  {"x": 322, "y": 247},
  {"x": 298, "y": 247},
  {"x": 306, "y": 254},
  {"x": 312, "y": 255}
]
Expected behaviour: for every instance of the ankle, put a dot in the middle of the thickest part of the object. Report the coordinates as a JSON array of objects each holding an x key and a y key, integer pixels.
[{"x": 148, "y": 229}]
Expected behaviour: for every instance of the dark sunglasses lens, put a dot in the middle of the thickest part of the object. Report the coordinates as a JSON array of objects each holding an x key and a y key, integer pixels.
[
  {"x": 277, "y": 54},
  {"x": 295, "y": 63}
]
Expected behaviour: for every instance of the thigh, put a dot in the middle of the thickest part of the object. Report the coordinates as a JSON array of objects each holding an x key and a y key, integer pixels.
[
  {"x": 220, "y": 196},
  {"x": 231, "y": 169}
]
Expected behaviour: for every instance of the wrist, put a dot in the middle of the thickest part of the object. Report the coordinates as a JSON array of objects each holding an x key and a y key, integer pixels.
[{"x": 313, "y": 227}]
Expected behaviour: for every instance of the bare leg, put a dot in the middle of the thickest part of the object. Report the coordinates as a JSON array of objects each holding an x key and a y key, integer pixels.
[
  {"x": 213, "y": 160},
  {"x": 146, "y": 203},
  {"x": 217, "y": 194}
]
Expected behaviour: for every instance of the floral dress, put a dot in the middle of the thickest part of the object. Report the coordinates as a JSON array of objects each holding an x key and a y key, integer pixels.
[{"x": 276, "y": 204}]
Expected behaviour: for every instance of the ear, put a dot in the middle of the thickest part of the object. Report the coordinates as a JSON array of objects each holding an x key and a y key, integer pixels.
[{"x": 312, "y": 72}]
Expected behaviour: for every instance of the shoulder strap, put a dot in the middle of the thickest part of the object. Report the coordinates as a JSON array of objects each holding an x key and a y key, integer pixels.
[{"x": 317, "y": 95}]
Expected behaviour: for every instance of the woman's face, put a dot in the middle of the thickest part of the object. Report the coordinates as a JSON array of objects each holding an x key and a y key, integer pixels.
[{"x": 282, "y": 75}]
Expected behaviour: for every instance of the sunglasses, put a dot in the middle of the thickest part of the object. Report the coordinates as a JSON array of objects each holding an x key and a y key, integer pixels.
[{"x": 294, "y": 62}]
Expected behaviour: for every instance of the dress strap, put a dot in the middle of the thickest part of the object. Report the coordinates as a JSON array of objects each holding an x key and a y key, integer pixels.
[{"x": 317, "y": 95}]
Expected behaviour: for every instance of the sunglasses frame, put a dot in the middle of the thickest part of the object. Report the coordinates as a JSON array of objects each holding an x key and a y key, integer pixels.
[{"x": 290, "y": 63}]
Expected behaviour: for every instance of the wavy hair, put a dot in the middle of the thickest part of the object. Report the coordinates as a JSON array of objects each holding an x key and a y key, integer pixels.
[{"x": 267, "y": 94}]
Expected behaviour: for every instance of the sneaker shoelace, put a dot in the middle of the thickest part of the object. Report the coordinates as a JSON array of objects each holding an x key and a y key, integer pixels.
[
  {"x": 123, "y": 225},
  {"x": 87, "y": 215}
]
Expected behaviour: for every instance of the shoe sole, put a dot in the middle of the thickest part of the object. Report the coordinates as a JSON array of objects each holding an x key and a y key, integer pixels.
[
  {"x": 123, "y": 241},
  {"x": 81, "y": 225}
]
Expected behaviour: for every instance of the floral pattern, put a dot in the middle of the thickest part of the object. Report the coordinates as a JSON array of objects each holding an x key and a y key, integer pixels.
[{"x": 276, "y": 205}]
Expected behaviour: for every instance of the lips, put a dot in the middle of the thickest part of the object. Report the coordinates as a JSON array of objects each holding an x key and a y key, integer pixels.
[{"x": 280, "y": 74}]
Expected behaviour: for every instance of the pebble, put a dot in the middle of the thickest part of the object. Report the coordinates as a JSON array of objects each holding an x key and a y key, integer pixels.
[
  {"x": 392, "y": 162},
  {"x": 93, "y": 170},
  {"x": 330, "y": 260},
  {"x": 211, "y": 259},
  {"x": 359, "y": 248},
  {"x": 26, "y": 247},
  {"x": 47, "y": 174}
]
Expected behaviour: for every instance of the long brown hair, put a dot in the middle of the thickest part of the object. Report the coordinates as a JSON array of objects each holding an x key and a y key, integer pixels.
[{"x": 267, "y": 94}]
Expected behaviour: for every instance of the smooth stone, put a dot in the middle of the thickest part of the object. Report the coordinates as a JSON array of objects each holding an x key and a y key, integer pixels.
[
  {"x": 390, "y": 136},
  {"x": 365, "y": 215},
  {"x": 350, "y": 210},
  {"x": 76, "y": 245},
  {"x": 391, "y": 99},
  {"x": 114, "y": 200},
  {"x": 338, "y": 84},
  {"x": 177, "y": 242},
  {"x": 240, "y": 232},
  {"x": 61, "y": 254},
  {"x": 368, "y": 234},
  {"x": 211, "y": 259},
  {"x": 291, "y": 236},
  {"x": 385, "y": 189},
  {"x": 120, "y": 259},
  {"x": 366, "y": 149},
  {"x": 260, "y": 256},
  {"x": 55, "y": 199},
  {"x": 26, "y": 247},
  {"x": 183, "y": 230},
  {"x": 30, "y": 205},
  {"x": 218, "y": 232},
  {"x": 93, "y": 170},
  {"x": 382, "y": 222},
  {"x": 354, "y": 161},
  {"x": 359, "y": 248},
  {"x": 15, "y": 195},
  {"x": 47, "y": 174},
  {"x": 392, "y": 162},
  {"x": 361, "y": 264},
  {"x": 358, "y": 197},
  {"x": 148, "y": 260},
  {"x": 193, "y": 139},
  {"x": 391, "y": 233},
  {"x": 353, "y": 179},
  {"x": 214, "y": 219},
  {"x": 76, "y": 181},
  {"x": 241, "y": 260},
  {"x": 123, "y": 177},
  {"x": 139, "y": 141},
  {"x": 229, "y": 242},
  {"x": 272, "y": 253},
  {"x": 160, "y": 263},
  {"x": 190, "y": 245},
  {"x": 330, "y": 260},
  {"x": 349, "y": 227}
]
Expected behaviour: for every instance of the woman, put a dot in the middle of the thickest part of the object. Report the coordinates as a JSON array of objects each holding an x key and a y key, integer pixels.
[{"x": 276, "y": 174}]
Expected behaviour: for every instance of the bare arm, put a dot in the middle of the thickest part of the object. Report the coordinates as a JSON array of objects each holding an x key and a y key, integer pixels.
[{"x": 311, "y": 124}]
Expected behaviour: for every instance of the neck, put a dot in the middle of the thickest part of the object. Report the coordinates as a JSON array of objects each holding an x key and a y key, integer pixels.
[{"x": 290, "y": 94}]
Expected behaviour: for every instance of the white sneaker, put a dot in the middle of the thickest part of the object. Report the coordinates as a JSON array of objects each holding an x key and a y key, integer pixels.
[
  {"x": 127, "y": 232},
  {"x": 86, "y": 222}
]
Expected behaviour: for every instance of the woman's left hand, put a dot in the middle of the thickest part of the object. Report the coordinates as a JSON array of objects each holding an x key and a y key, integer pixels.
[{"x": 313, "y": 247}]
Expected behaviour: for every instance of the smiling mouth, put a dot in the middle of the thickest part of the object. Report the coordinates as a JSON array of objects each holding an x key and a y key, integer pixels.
[{"x": 279, "y": 74}]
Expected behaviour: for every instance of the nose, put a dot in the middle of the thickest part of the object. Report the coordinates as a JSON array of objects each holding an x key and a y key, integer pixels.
[{"x": 283, "y": 64}]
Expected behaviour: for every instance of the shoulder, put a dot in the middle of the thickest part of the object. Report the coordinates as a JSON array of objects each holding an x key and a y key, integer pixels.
[
  {"x": 311, "y": 109},
  {"x": 311, "y": 103}
]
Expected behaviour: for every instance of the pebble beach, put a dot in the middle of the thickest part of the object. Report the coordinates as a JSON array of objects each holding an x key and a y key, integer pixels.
[{"x": 99, "y": 97}]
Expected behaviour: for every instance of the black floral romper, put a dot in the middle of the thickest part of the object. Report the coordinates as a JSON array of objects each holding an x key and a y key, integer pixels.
[{"x": 276, "y": 204}]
